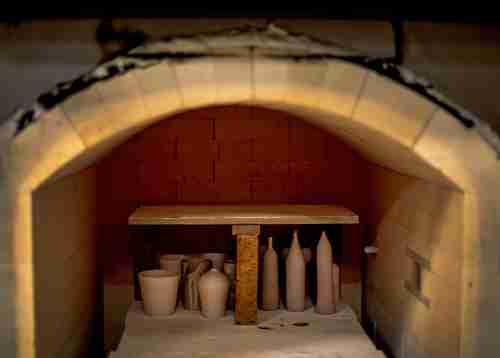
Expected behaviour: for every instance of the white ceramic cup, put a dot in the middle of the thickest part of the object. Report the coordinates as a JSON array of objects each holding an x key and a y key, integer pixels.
[{"x": 159, "y": 292}]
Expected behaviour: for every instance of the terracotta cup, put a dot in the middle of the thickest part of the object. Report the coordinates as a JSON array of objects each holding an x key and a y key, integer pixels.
[{"x": 159, "y": 292}]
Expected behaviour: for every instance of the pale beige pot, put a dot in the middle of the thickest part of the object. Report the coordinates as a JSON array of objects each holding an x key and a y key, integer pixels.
[
  {"x": 324, "y": 279},
  {"x": 159, "y": 292},
  {"x": 191, "y": 296},
  {"x": 217, "y": 260},
  {"x": 270, "y": 281},
  {"x": 295, "y": 277},
  {"x": 214, "y": 288}
]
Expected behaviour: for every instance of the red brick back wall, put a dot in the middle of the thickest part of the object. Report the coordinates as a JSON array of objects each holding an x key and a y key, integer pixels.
[{"x": 224, "y": 155}]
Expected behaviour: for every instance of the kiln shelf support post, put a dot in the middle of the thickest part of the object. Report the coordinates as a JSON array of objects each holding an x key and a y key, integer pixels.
[{"x": 247, "y": 266}]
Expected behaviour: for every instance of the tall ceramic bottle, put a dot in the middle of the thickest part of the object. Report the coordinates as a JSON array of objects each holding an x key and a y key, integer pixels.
[
  {"x": 270, "y": 283},
  {"x": 325, "y": 293},
  {"x": 295, "y": 277}
]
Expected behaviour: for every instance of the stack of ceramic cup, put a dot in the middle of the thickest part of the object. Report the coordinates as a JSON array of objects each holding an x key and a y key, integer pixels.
[{"x": 198, "y": 279}]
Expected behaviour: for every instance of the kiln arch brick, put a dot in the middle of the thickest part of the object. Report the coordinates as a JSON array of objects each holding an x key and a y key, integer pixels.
[{"x": 385, "y": 120}]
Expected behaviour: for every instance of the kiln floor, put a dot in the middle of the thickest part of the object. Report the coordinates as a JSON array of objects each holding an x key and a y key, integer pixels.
[{"x": 278, "y": 334}]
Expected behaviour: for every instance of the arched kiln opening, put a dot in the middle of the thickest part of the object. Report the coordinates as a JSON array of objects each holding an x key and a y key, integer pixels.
[{"x": 426, "y": 195}]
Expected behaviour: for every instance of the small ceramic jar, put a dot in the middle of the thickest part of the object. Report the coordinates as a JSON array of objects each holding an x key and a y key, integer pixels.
[{"x": 213, "y": 288}]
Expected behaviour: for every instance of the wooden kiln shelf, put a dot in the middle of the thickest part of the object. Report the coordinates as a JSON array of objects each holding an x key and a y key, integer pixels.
[
  {"x": 246, "y": 221},
  {"x": 242, "y": 214}
]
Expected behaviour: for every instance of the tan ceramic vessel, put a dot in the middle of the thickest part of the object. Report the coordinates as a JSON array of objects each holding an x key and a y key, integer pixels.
[
  {"x": 324, "y": 278},
  {"x": 295, "y": 277},
  {"x": 159, "y": 292},
  {"x": 270, "y": 283},
  {"x": 213, "y": 288}
]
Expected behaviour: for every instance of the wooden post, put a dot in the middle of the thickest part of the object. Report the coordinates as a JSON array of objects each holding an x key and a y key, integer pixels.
[{"x": 246, "y": 273}]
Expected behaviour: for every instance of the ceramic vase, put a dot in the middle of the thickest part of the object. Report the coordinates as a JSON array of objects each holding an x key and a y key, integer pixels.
[
  {"x": 270, "y": 281},
  {"x": 295, "y": 277},
  {"x": 324, "y": 277},
  {"x": 217, "y": 260},
  {"x": 230, "y": 271},
  {"x": 191, "y": 295},
  {"x": 213, "y": 288},
  {"x": 159, "y": 292}
]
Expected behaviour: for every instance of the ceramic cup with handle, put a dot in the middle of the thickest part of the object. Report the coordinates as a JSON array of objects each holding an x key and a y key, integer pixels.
[{"x": 191, "y": 297}]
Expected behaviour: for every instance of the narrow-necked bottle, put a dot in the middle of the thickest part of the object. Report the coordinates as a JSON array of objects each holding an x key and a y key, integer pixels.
[
  {"x": 270, "y": 283},
  {"x": 295, "y": 276},
  {"x": 324, "y": 279}
]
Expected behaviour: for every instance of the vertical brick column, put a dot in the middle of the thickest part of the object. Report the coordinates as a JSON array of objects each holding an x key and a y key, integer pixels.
[{"x": 246, "y": 273}]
